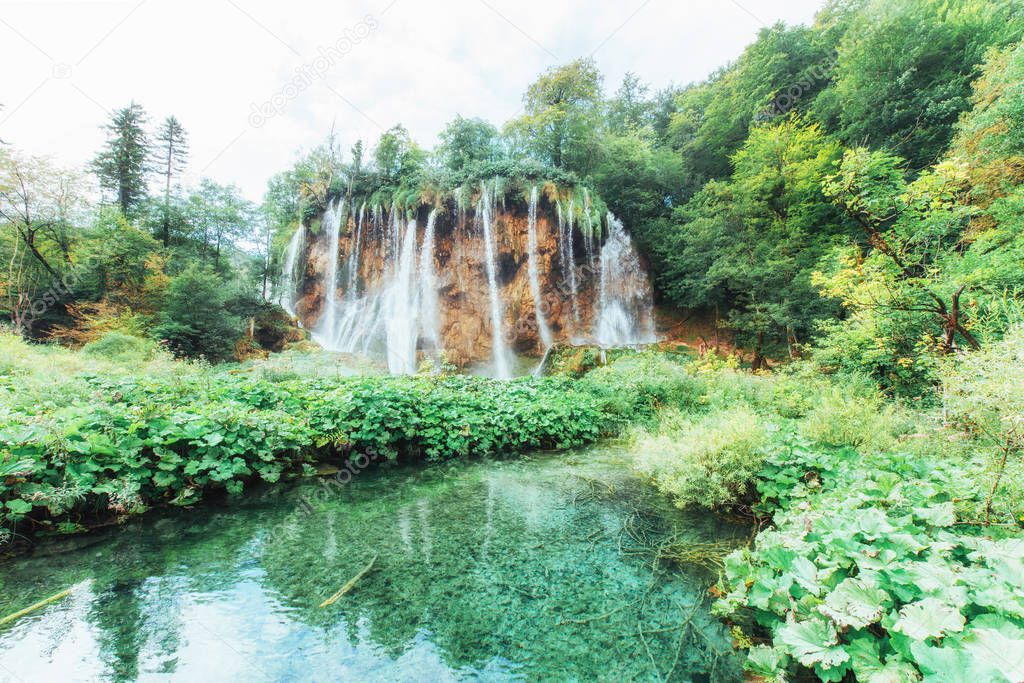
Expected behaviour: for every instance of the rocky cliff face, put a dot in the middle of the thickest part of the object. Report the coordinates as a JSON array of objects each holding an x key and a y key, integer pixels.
[{"x": 442, "y": 296}]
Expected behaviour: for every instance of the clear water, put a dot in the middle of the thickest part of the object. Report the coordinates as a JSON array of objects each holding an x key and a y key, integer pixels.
[{"x": 537, "y": 569}]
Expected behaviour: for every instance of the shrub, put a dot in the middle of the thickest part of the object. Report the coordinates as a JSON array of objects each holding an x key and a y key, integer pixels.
[
  {"x": 711, "y": 463},
  {"x": 124, "y": 348},
  {"x": 852, "y": 414},
  {"x": 635, "y": 386},
  {"x": 195, "y": 321},
  {"x": 983, "y": 393}
]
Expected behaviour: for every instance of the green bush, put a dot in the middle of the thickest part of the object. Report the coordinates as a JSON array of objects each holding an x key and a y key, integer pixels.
[
  {"x": 852, "y": 414},
  {"x": 634, "y": 386},
  {"x": 117, "y": 346},
  {"x": 711, "y": 463},
  {"x": 120, "y": 438},
  {"x": 195, "y": 321}
]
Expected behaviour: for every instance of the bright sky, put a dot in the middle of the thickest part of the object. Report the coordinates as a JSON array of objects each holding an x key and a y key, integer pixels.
[{"x": 254, "y": 81}]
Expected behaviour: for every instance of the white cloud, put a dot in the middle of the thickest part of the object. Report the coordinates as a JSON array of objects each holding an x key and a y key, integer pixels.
[{"x": 208, "y": 62}]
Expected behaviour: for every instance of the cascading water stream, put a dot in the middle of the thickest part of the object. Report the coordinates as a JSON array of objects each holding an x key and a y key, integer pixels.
[
  {"x": 430, "y": 314},
  {"x": 353, "y": 258},
  {"x": 502, "y": 366},
  {"x": 401, "y": 320},
  {"x": 332, "y": 223},
  {"x": 625, "y": 314},
  {"x": 534, "y": 267},
  {"x": 290, "y": 278},
  {"x": 570, "y": 259}
]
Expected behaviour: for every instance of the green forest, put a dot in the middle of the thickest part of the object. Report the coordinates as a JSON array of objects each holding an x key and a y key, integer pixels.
[{"x": 844, "y": 201}]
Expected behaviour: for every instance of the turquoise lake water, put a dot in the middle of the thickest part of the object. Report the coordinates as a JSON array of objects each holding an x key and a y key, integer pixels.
[{"x": 534, "y": 569}]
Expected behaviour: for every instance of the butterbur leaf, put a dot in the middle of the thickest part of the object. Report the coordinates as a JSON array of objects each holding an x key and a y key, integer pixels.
[
  {"x": 929, "y": 618},
  {"x": 855, "y": 603},
  {"x": 872, "y": 523},
  {"x": 19, "y": 507},
  {"x": 1003, "y": 653},
  {"x": 936, "y": 515},
  {"x": 946, "y": 664},
  {"x": 806, "y": 574},
  {"x": 769, "y": 663},
  {"x": 812, "y": 642}
]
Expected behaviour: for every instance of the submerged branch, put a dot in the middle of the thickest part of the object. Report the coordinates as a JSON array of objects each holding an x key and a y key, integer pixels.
[{"x": 350, "y": 585}]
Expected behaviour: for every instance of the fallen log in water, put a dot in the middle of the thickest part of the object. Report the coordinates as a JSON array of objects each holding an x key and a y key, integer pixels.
[{"x": 350, "y": 585}]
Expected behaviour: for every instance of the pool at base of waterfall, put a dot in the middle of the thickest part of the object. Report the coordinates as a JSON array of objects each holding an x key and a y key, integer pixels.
[{"x": 538, "y": 568}]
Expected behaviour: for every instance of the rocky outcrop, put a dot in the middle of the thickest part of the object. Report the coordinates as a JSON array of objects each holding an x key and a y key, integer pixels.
[{"x": 567, "y": 263}]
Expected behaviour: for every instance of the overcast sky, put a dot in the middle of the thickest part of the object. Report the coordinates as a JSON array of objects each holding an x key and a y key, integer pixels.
[{"x": 254, "y": 81}]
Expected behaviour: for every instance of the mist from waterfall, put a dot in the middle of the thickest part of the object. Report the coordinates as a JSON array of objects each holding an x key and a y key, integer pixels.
[
  {"x": 500, "y": 355},
  {"x": 534, "y": 267},
  {"x": 290, "y": 275},
  {"x": 625, "y": 315}
]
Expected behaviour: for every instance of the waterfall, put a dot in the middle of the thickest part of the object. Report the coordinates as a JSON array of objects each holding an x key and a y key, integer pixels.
[
  {"x": 625, "y": 308},
  {"x": 485, "y": 210},
  {"x": 430, "y": 315},
  {"x": 588, "y": 232},
  {"x": 384, "y": 295},
  {"x": 401, "y": 324},
  {"x": 569, "y": 260},
  {"x": 290, "y": 279},
  {"x": 332, "y": 222},
  {"x": 534, "y": 268},
  {"x": 353, "y": 258}
]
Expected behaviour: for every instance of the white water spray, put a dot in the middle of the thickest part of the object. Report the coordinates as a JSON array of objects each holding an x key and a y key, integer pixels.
[
  {"x": 430, "y": 314},
  {"x": 332, "y": 223},
  {"x": 401, "y": 324}
]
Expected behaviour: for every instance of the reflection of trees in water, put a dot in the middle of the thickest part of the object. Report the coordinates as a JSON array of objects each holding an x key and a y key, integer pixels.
[
  {"x": 523, "y": 561},
  {"x": 136, "y": 576},
  {"x": 493, "y": 563}
]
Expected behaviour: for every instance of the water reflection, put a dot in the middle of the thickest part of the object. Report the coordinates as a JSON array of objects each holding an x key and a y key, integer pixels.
[{"x": 525, "y": 570}]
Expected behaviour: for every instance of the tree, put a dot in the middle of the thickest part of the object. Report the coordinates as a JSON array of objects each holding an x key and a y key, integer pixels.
[
  {"x": 124, "y": 163},
  {"x": 467, "y": 141},
  {"x": 562, "y": 116},
  {"x": 749, "y": 245},
  {"x": 905, "y": 71},
  {"x": 782, "y": 72},
  {"x": 219, "y": 216},
  {"x": 195, "y": 321},
  {"x": 40, "y": 202},
  {"x": 905, "y": 227},
  {"x": 396, "y": 156},
  {"x": 629, "y": 110},
  {"x": 172, "y": 156}
]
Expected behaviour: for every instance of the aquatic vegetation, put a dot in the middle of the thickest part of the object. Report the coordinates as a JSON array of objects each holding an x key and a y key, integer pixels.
[{"x": 517, "y": 569}]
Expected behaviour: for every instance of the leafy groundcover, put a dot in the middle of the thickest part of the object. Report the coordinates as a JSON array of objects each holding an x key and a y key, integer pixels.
[
  {"x": 131, "y": 442},
  {"x": 867, "y": 570}
]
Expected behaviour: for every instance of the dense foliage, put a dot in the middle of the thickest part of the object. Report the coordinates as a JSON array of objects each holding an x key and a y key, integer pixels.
[{"x": 120, "y": 434}]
